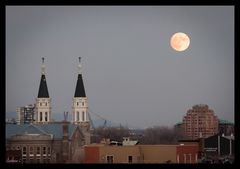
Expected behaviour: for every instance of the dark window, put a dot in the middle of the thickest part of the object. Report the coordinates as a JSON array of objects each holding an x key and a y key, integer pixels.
[
  {"x": 129, "y": 159},
  {"x": 77, "y": 103},
  {"x": 109, "y": 159},
  {"x": 40, "y": 116},
  {"x": 83, "y": 116},
  {"x": 25, "y": 150},
  {"x": 46, "y": 118},
  {"x": 31, "y": 150},
  {"x": 82, "y": 103},
  {"x": 77, "y": 116},
  {"x": 44, "y": 150},
  {"x": 38, "y": 150}
]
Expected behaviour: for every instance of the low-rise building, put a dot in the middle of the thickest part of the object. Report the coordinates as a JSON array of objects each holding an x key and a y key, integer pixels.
[
  {"x": 218, "y": 146},
  {"x": 188, "y": 151},
  {"x": 225, "y": 127},
  {"x": 103, "y": 153},
  {"x": 49, "y": 143}
]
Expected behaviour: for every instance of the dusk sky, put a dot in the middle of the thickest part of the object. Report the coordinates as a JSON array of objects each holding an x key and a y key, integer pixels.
[{"x": 131, "y": 74}]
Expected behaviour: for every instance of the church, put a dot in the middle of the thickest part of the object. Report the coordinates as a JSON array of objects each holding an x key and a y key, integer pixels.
[{"x": 38, "y": 139}]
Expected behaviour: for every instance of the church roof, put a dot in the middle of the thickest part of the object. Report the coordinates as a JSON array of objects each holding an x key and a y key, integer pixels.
[
  {"x": 43, "y": 90},
  {"x": 54, "y": 129},
  {"x": 80, "y": 91}
]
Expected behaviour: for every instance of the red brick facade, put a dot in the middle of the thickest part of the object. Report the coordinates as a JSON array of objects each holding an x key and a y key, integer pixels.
[{"x": 187, "y": 154}]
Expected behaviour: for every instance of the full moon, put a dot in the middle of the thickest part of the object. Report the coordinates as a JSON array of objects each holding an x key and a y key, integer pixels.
[{"x": 180, "y": 41}]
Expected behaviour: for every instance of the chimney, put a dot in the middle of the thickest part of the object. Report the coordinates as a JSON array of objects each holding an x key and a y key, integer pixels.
[{"x": 65, "y": 143}]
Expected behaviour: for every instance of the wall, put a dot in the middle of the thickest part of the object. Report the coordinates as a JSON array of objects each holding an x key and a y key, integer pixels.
[{"x": 187, "y": 153}]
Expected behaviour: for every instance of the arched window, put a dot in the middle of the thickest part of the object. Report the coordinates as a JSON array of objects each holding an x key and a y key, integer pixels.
[
  {"x": 77, "y": 116},
  {"x": 83, "y": 116},
  {"x": 46, "y": 118},
  {"x": 40, "y": 116}
]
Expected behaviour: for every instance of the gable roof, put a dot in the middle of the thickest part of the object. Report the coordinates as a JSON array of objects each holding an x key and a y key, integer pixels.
[{"x": 54, "y": 128}]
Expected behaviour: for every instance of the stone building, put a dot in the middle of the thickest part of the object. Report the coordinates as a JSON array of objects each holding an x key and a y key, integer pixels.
[{"x": 48, "y": 143}]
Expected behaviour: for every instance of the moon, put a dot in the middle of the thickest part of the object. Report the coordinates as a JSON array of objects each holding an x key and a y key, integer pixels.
[{"x": 180, "y": 41}]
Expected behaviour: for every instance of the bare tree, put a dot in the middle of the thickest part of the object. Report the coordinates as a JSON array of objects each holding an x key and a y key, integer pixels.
[
  {"x": 152, "y": 135},
  {"x": 113, "y": 133},
  {"x": 161, "y": 135}
]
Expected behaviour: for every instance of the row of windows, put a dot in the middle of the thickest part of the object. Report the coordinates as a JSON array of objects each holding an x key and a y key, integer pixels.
[
  {"x": 45, "y": 150},
  {"x": 37, "y": 160},
  {"x": 109, "y": 159}
]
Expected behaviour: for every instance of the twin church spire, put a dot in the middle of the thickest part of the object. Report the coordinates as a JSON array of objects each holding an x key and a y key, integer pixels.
[{"x": 79, "y": 108}]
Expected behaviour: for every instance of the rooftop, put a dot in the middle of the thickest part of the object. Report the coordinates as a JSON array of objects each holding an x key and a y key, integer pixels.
[
  {"x": 221, "y": 121},
  {"x": 55, "y": 129}
]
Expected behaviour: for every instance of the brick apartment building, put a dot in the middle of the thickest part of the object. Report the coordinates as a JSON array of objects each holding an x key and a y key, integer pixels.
[{"x": 200, "y": 121}]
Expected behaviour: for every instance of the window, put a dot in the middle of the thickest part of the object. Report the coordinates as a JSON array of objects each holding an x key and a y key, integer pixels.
[
  {"x": 77, "y": 116},
  {"x": 31, "y": 151},
  {"x": 83, "y": 116},
  {"x": 24, "y": 150},
  {"x": 24, "y": 154},
  {"x": 49, "y": 151},
  {"x": 40, "y": 116},
  {"x": 109, "y": 158},
  {"x": 46, "y": 114},
  {"x": 82, "y": 103},
  {"x": 44, "y": 151},
  {"x": 130, "y": 159},
  {"x": 38, "y": 151},
  {"x": 24, "y": 159},
  {"x": 77, "y": 103},
  {"x": 38, "y": 160},
  {"x": 31, "y": 160},
  {"x": 46, "y": 104}
]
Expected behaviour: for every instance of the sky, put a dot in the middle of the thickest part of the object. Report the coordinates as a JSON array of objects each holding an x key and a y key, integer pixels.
[{"x": 131, "y": 74}]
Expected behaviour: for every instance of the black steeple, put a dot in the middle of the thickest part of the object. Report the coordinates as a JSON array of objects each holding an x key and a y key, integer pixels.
[
  {"x": 80, "y": 91},
  {"x": 43, "y": 90}
]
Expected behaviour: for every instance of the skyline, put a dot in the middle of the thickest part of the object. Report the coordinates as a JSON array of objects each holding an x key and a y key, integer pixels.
[{"x": 130, "y": 72}]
